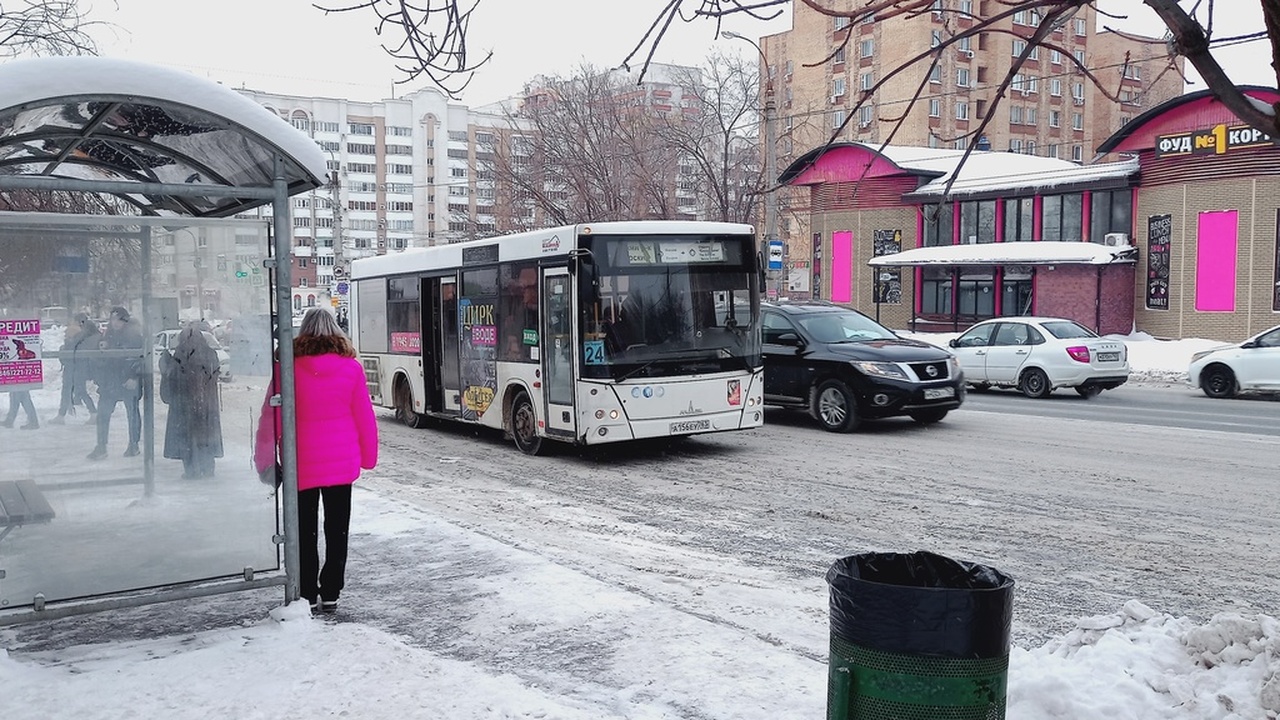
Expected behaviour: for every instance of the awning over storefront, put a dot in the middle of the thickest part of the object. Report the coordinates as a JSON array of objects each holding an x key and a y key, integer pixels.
[{"x": 1011, "y": 253}]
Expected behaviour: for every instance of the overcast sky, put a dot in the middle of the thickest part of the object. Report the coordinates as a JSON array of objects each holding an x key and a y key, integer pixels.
[{"x": 288, "y": 46}]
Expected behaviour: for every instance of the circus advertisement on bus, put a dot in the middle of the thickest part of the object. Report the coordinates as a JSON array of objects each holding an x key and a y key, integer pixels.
[
  {"x": 20, "y": 365},
  {"x": 478, "y": 327}
]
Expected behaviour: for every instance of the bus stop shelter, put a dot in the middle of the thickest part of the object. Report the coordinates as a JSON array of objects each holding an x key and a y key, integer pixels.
[{"x": 133, "y": 190}]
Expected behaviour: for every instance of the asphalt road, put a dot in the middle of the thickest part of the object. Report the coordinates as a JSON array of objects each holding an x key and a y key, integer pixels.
[{"x": 1154, "y": 405}]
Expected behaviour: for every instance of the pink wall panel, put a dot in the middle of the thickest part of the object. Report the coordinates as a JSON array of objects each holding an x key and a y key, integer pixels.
[
  {"x": 841, "y": 266},
  {"x": 1216, "y": 238}
]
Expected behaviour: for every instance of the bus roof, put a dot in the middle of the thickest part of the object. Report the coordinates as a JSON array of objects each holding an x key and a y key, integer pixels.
[{"x": 548, "y": 242}]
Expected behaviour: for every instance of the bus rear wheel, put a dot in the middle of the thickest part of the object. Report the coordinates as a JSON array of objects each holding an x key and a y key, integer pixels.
[
  {"x": 524, "y": 426},
  {"x": 404, "y": 407}
]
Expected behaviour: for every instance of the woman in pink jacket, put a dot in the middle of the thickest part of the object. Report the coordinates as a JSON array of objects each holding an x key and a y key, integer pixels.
[{"x": 337, "y": 436}]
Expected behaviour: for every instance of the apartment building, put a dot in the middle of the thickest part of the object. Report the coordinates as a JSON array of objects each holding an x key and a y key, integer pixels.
[
  {"x": 1051, "y": 108},
  {"x": 403, "y": 176}
]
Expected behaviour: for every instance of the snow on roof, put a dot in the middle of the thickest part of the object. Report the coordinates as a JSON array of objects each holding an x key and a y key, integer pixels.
[
  {"x": 1010, "y": 253},
  {"x": 990, "y": 172}
]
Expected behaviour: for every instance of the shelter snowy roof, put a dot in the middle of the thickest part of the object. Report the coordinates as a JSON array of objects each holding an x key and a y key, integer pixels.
[
  {"x": 1010, "y": 253},
  {"x": 104, "y": 119}
]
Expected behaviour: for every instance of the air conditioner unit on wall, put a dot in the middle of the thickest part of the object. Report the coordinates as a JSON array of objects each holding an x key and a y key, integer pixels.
[{"x": 1115, "y": 239}]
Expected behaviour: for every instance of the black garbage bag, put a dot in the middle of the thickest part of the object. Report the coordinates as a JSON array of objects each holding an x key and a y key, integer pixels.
[{"x": 918, "y": 635}]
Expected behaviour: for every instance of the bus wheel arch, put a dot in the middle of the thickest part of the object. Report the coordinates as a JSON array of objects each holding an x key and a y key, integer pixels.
[{"x": 402, "y": 401}]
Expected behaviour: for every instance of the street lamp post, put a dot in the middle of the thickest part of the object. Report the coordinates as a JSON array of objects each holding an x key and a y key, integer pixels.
[{"x": 770, "y": 158}]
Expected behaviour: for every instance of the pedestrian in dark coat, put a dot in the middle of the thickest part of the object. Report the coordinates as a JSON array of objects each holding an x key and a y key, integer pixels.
[{"x": 189, "y": 385}]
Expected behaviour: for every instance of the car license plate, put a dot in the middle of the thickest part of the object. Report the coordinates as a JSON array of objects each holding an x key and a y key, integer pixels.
[
  {"x": 939, "y": 393},
  {"x": 689, "y": 426},
  {"x": 1108, "y": 357}
]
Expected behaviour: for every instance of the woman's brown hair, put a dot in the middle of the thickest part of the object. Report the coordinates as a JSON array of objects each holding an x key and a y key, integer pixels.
[{"x": 320, "y": 334}]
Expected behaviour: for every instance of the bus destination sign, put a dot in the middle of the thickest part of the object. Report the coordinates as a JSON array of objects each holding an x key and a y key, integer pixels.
[{"x": 674, "y": 252}]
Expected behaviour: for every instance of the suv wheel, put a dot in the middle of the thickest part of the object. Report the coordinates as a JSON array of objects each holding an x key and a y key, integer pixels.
[{"x": 834, "y": 407}]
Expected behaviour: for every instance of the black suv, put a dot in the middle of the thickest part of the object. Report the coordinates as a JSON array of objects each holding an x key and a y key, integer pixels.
[{"x": 842, "y": 367}]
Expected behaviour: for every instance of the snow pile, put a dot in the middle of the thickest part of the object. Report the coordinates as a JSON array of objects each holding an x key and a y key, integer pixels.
[{"x": 1143, "y": 664}]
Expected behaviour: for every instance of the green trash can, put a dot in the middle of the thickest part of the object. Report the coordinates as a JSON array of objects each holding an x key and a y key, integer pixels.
[{"x": 917, "y": 636}]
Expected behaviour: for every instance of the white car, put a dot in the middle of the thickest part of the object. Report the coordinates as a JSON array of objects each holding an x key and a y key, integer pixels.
[
  {"x": 167, "y": 340},
  {"x": 1253, "y": 365},
  {"x": 1039, "y": 354}
]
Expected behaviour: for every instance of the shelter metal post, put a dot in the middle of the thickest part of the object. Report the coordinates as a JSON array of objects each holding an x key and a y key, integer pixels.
[
  {"x": 283, "y": 239},
  {"x": 148, "y": 356}
]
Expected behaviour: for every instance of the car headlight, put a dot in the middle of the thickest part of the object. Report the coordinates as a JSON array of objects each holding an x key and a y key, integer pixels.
[
  {"x": 883, "y": 369},
  {"x": 1202, "y": 354}
]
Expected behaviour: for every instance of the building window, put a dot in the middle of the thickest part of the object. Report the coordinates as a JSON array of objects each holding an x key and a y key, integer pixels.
[
  {"x": 1055, "y": 118},
  {"x": 1055, "y": 57},
  {"x": 1060, "y": 218},
  {"x": 866, "y": 81},
  {"x": 978, "y": 221},
  {"x": 837, "y": 119},
  {"x": 1055, "y": 87},
  {"x": 1015, "y": 115},
  {"x": 935, "y": 291},
  {"x": 1079, "y": 56},
  {"x": 1018, "y": 219},
  {"x": 1110, "y": 212},
  {"x": 935, "y": 107},
  {"x": 1080, "y": 27},
  {"x": 1016, "y": 289},
  {"x": 937, "y": 224},
  {"x": 842, "y": 22},
  {"x": 962, "y": 77},
  {"x": 1077, "y": 121},
  {"x": 1018, "y": 47},
  {"x": 935, "y": 74},
  {"x": 837, "y": 87},
  {"x": 962, "y": 111},
  {"x": 976, "y": 296},
  {"x": 867, "y": 48},
  {"x": 866, "y": 114},
  {"x": 935, "y": 39}
]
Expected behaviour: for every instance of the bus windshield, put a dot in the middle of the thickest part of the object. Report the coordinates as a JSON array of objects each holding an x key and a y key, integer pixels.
[{"x": 655, "y": 306}]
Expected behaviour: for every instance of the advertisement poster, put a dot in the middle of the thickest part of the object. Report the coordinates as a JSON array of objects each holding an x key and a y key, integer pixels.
[
  {"x": 20, "y": 366},
  {"x": 1159, "y": 234},
  {"x": 888, "y": 286},
  {"x": 478, "y": 330},
  {"x": 817, "y": 266}
]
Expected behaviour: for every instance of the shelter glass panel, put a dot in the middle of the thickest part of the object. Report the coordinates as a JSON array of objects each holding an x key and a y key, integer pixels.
[{"x": 140, "y": 399}]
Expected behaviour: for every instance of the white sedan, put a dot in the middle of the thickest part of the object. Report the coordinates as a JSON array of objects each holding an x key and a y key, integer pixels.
[
  {"x": 1038, "y": 354},
  {"x": 1251, "y": 365}
]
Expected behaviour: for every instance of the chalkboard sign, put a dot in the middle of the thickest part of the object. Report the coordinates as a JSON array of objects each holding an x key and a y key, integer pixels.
[
  {"x": 1159, "y": 235},
  {"x": 888, "y": 285}
]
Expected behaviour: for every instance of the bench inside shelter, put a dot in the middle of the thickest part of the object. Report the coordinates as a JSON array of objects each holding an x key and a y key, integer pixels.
[{"x": 22, "y": 503}]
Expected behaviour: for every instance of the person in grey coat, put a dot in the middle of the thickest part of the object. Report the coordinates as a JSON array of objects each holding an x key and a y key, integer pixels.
[{"x": 189, "y": 385}]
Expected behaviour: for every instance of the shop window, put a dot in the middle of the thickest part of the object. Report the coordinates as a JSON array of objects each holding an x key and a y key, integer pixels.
[
  {"x": 1018, "y": 219},
  {"x": 1110, "y": 212},
  {"x": 978, "y": 221},
  {"x": 1061, "y": 217},
  {"x": 1015, "y": 289},
  {"x": 937, "y": 224},
  {"x": 935, "y": 291},
  {"x": 976, "y": 293}
]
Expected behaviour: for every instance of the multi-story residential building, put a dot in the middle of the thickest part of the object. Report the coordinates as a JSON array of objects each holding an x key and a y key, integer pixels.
[
  {"x": 1051, "y": 108},
  {"x": 403, "y": 176}
]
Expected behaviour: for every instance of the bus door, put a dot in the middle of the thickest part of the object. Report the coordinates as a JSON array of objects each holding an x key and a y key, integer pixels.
[
  {"x": 558, "y": 352},
  {"x": 445, "y": 336}
]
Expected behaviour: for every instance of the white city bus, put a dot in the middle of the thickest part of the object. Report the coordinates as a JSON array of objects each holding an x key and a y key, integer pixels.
[{"x": 585, "y": 334}]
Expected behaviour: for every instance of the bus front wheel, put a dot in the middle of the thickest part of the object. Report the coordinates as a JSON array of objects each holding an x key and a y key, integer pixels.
[{"x": 524, "y": 426}]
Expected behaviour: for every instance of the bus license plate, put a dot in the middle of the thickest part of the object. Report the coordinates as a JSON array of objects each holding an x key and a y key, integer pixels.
[
  {"x": 939, "y": 393},
  {"x": 689, "y": 426},
  {"x": 1108, "y": 357}
]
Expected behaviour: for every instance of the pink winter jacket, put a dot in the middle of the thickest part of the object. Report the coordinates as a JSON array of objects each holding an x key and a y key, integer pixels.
[{"x": 337, "y": 432}]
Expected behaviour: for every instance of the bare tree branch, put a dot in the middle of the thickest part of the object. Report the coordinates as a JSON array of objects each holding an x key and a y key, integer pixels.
[{"x": 431, "y": 39}]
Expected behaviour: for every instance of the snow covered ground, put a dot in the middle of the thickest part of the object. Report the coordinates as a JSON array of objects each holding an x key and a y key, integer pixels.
[{"x": 459, "y": 619}]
